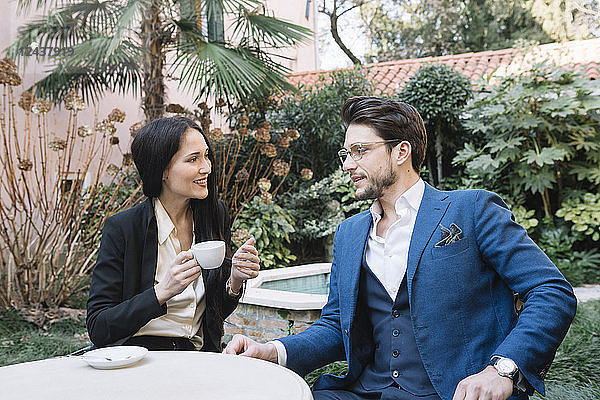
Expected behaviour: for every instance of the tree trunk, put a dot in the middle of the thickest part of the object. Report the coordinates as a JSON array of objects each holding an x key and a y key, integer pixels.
[
  {"x": 336, "y": 36},
  {"x": 438, "y": 152},
  {"x": 430, "y": 168},
  {"x": 546, "y": 202},
  {"x": 153, "y": 84}
]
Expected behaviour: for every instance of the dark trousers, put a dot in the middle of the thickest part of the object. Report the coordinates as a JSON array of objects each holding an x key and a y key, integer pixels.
[
  {"x": 161, "y": 343},
  {"x": 357, "y": 392}
]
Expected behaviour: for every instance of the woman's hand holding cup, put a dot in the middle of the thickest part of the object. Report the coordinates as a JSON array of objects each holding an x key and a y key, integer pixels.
[
  {"x": 183, "y": 270},
  {"x": 245, "y": 264}
]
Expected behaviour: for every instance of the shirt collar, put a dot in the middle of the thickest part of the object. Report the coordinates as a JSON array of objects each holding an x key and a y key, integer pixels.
[
  {"x": 412, "y": 196},
  {"x": 163, "y": 222}
]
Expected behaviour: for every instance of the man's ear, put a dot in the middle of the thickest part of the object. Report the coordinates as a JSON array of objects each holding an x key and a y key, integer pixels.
[{"x": 403, "y": 152}]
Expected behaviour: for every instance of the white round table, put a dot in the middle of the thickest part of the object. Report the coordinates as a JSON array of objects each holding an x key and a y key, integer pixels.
[{"x": 161, "y": 375}]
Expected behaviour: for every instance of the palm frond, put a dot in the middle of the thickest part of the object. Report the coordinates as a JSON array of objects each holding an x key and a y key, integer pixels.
[
  {"x": 211, "y": 7},
  {"x": 66, "y": 27},
  {"x": 121, "y": 72},
  {"x": 128, "y": 15},
  {"x": 269, "y": 30},
  {"x": 223, "y": 71},
  {"x": 29, "y": 5}
]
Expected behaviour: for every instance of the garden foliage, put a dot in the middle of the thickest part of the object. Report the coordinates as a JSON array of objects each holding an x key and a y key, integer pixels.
[
  {"x": 271, "y": 226},
  {"x": 440, "y": 94},
  {"x": 315, "y": 113},
  {"x": 537, "y": 135},
  {"x": 537, "y": 141},
  {"x": 320, "y": 207}
]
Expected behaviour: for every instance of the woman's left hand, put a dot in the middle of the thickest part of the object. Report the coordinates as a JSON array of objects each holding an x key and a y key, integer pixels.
[{"x": 244, "y": 264}]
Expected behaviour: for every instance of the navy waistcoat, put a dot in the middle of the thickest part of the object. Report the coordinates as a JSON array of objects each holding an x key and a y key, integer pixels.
[{"x": 396, "y": 359}]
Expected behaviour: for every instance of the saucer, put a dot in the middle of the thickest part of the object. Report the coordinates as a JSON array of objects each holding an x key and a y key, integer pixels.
[{"x": 114, "y": 357}]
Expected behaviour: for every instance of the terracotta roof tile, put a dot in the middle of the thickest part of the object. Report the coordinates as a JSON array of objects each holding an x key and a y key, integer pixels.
[{"x": 581, "y": 55}]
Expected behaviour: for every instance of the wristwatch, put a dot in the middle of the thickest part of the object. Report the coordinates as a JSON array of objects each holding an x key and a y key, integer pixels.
[{"x": 505, "y": 367}]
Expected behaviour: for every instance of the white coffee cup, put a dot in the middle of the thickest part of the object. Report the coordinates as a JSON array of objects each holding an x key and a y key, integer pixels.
[{"x": 209, "y": 254}]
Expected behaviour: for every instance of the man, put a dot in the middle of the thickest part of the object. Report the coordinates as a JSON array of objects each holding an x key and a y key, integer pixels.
[{"x": 421, "y": 302}]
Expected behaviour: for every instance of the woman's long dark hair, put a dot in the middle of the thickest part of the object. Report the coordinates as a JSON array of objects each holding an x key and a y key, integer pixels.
[{"x": 153, "y": 148}]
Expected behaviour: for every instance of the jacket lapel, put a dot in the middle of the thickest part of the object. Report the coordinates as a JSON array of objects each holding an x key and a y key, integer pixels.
[
  {"x": 150, "y": 247},
  {"x": 351, "y": 257},
  {"x": 431, "y": 211}
]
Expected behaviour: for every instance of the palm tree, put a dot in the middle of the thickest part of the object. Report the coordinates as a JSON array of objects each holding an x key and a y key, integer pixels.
[{"x": 133, "y": 45}]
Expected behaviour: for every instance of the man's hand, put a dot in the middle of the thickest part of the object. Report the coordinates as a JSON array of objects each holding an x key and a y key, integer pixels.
[
  {"x": 486, "y": 385},
  {"x": 244, "y": 346}
]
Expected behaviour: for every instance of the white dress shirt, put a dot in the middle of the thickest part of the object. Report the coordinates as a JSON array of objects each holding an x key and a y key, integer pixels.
[
  {"x": 386, "y": 256},
  {"x": 185, "y": 310}
]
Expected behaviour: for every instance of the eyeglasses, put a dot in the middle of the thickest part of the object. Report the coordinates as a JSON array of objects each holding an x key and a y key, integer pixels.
[{"x": 358, "y": 150}]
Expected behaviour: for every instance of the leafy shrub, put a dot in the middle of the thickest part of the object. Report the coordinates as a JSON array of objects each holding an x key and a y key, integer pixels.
[
  {"x": 315, "y": 113},
  {"x": 538, "y": 135},
  {"x": 320, "y": 207},
  {"x": 584, "y": 213},
  {"x": 578, "y": 266},
  {"x": 440, "y": 94},
  {"x": 271, "y": 226}
]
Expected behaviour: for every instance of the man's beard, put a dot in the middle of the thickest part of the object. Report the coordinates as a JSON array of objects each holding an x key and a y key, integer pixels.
[{"x": 377, "y": 185}]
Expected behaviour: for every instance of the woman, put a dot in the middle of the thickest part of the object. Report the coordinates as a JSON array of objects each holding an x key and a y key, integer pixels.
[{"x": 146, "y": 288}]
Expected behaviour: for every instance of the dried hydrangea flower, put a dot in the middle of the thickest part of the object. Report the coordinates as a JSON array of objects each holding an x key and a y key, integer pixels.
[
  {"x": 243, "y": 121},
  {"x": 114, "y": 140},
  {"x": 216, "y": 134},
  {"x": 292, "y": 134},
  {"x": 8, "y": 73},
  {"x": 266, "y": 197},
  {"x": 74, "y": 102},
  {"x": 7, "y": 65},
  {"x": 220, "y": 103},
  {"x": 264, "y": 184},
  {"x": 40, "y": 106},
  {"x": 264, "y": 125},
  {"x": 280, "y": 168},
  {"x": 268, "y": 149},
  {"x": 242, "y": 175},
  {"x": 239, "y": 236},
  {"x": 306, "y": 174},
  {"x": 116, "y": 115},
  {"x": 84, "y": 131},
  {"x": 127, "y": 159},
  {"x": 283, "y": 142},
  {"x": 175, "y": 108},
  {"x": 58, "y": 144},
  {"x": 262, "y": 135},
  {"x": 25, "y": 165},
  {"x": 112, "y": 169},
  {"x": 106, "y": 127},
  {"x": 26, "y": 100},
  {"x": 133, "y": 129}
]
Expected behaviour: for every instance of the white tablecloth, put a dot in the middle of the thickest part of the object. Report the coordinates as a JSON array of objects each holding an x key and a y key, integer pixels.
[{"x": 162, "y": 375}]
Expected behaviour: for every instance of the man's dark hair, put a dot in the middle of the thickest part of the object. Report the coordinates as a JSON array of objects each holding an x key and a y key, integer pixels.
[
  {"x": 153, "y": 147},
  {"x": 391, "y": 120}
]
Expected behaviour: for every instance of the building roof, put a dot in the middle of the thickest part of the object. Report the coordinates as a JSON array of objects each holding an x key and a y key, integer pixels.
[{"x": 583, "y": 56}]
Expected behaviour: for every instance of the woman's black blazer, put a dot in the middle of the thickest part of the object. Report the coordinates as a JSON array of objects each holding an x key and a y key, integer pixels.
[{"x": 122, "y": 297}]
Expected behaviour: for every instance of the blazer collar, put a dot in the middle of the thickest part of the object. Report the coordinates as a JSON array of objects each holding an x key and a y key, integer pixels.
[
  {"x": 432, "y": 210},
  {"x": 150, "y": 253}
]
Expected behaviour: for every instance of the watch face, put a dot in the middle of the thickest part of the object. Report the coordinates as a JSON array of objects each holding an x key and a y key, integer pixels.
[{"x": 506, "y": 366}]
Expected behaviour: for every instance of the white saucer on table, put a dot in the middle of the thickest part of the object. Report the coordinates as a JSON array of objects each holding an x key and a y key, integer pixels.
[{"x": 114, "y": 357}]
